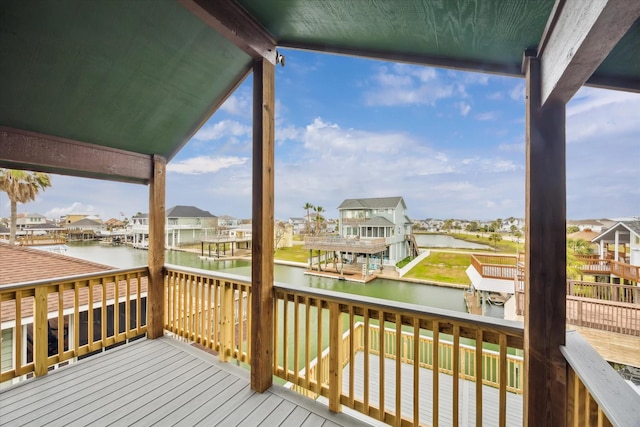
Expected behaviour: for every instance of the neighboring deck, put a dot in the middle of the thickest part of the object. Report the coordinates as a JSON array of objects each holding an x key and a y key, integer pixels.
[
  {"x": 163, "y": 382},
  {"x": 466, "y": 394}
]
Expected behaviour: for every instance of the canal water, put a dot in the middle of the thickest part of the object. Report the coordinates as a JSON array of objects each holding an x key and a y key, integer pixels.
[
  {"x": 443, "y": 241},
  {"x": 394, "y": 290}
]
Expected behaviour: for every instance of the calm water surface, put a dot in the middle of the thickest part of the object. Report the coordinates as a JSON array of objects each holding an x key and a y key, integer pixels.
[
  {"x": 427, "y": 295},
  {"x": 443, "y": 241}
]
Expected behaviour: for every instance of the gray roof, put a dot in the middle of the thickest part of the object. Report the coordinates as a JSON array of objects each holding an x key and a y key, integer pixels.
[
  {"x": 179, "y": 211},
  {"x": 633, "y": 226},
  {"x": 373, "y": 203},
  {"x": 84, "y": 221},
  {"x": 378, "y": 221}
]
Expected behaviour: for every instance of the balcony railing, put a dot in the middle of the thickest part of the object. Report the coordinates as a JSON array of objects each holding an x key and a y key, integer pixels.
[
  {"x": 604, "y": 291},
  {"x": 495, "y": 266},
  {"x": 341, "y": 333},
  {"x": 593, "y": 265},
  {"x": 53, "y": 321}
]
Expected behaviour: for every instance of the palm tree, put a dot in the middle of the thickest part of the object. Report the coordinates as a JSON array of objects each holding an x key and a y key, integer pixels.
[
  {"x": 318, "y": 219},
  {"x": 308, "y": 206},
  {"x": 495, "y": 237},
  {"x": 21, "y": 187}
]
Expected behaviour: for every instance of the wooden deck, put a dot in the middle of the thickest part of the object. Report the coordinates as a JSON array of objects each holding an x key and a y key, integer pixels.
[
  {"x": 467, "y": 394},
  {"x": 157, "y": 382}
]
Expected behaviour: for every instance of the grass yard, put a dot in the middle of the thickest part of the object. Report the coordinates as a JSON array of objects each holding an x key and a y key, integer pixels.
[
  {"x": 296, "y": 253},
  {"x": 444, "y": 267}
]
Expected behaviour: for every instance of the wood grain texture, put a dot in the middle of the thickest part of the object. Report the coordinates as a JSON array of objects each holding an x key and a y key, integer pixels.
[
  {"x": 545, "y": 265},
  {"x": 262, "y": 226},
  {"x": 155, "y": 315}
]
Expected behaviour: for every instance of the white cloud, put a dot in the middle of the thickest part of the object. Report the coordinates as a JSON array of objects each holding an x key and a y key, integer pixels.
[
  {"x": 489, "y": 115},
  {"x": 464, "y": 108},
  {"x": 221, "y": 129},
  {"x": 517, "y": 93},
  {"x": 205, "y": 164},
  {"x": 407, "y": 85},
  {"x": 74, "y": 208},
  {"x": 238, "y": 104}
]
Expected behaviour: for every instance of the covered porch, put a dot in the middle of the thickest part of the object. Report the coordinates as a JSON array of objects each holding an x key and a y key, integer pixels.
[{"x": 129, "y": 96}]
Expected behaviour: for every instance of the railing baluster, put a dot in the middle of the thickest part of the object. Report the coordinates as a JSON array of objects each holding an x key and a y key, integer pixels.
[
  {"x": 285, "y": 336},
  {"x": 367, "y": 347},
  {"x": 335, "y": 369},
  {"x": 352, "y": 358},
  {"x": 436, "y": 371},
  {"x": 456, "y": 371},
  {"x": 398, "y": 345},
  {"x": 307, "y": 342},
  {"x": 381, "y": 357},
  {"x": 416, "y": 371},
  {"x": 478, "y": 372},
  {"x": 319, "y": 370},
  {"x": 296, "y": 339},
  {"x": 502, "y": 375}
]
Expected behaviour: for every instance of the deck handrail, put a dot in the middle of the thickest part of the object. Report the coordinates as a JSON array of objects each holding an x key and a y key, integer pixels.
[
  {"x": 495, "y": 266},
  {"x": 595, "y": 391},
  {"x": 51, "y": 321},
  {"x": 593, "y": 265},
  {"x": 604, "y": 291}
]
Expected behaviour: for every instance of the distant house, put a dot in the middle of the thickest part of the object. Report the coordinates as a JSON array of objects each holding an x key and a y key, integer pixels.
[
  {"x": 184, "y": 225},
  {"x": 596, "y": 225},
  {"x": 378, "y": 218},
  {"x": 26, "y": 220},
  {"x": 84, "y": 229},
  {"x": 299, "y": 225},
  {"x": 620, "y": 242}
]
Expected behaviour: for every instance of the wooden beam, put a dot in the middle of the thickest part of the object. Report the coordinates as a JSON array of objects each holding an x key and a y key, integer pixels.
[
  {"x": 578, "y": 37},
  {"x": 155, "y": 292},
  {"x": 21, "y": 149},
  {"x": 545, "y": 265},
  {"x": 262, "y": 298},
  {"x": 236, "y": 25}
]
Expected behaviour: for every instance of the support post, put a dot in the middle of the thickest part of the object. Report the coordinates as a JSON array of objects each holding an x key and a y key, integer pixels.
[
  {"x": 155, "y": 293},
  {"x": 335, "y": 357},
  {"x": 41, "y": 332},
  {"x": 262, "y": 226},
  {"x": 545, "y": 390}
]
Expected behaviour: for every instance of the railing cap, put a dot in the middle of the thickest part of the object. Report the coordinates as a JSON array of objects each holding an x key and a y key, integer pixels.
[{"x": 74, "y": 278}]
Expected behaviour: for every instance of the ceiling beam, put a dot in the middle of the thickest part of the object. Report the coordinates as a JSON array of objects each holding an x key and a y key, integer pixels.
[
  {"x": 236, "y": 25},
  {"x": 410, "y": 58},
  {"x": 578, "y": 37},
  {"x": 20, "y": 149}
]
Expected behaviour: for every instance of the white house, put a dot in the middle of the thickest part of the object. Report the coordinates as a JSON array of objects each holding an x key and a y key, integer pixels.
[
  {"x": 624, "y": 238},
  {"x": 183, "y": 225},
  {"x": 377, "y": 218}
]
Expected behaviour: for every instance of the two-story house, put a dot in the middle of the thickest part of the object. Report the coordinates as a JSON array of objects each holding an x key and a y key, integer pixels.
[
  {"x": 184, "y": 225},
  {"x": 375, "y": 218}
]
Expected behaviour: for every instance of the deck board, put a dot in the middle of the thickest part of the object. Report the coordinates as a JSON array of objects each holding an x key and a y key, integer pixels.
[{"x": 156, "y": 382}]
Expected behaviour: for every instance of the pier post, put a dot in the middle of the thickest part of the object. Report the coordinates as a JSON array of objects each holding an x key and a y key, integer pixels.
[{"x": 155, "y": 294}]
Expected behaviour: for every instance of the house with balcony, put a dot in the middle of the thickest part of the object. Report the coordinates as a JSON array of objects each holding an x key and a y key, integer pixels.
[
  {"x": 378, "y": 218},
  {"x": 174, "y": 63},
  {"x": 184, "y": 225}
]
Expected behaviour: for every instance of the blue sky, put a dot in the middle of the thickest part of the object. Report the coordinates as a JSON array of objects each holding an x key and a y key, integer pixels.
[{"x": 451, "y": 143}]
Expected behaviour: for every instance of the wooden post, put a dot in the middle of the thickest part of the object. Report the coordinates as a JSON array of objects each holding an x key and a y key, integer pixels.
[
  {"x": 545, "y": 386},
  {"x": 335, "y": 357},
  {"x": 40, "y": 332},
  {"x": 227, "y": 320},
  {"x": 155, "y": 294},
  {"x": 262, "y": 226}
]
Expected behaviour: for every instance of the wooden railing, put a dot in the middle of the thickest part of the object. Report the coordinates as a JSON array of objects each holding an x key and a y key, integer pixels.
[
  {"x": 604, "y": 291},
  {"x": 55, "y": 320},
  {"x": 596, "y": 394},
  {"x": 495, "y": 267},
  {"x": 593, "y": 265},
  {"x": 620, "y": 317},
  {"x": 330, "y": 314},
  {"x": 490, "y": 359},
  {"x": 212, "y": 310},
  {"x": 32, "y": 240}
]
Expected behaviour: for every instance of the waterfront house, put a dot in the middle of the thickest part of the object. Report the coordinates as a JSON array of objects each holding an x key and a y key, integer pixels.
[
  {"x": 379, "y": 218},
  {"x": 184, "y": 225},
  {"x": 132, "y": 82}
]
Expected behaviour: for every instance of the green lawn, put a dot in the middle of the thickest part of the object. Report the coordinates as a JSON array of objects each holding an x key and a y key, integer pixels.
[
  {"x": 443, "y": 267},
  {"x": 296, "y": 253}
]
